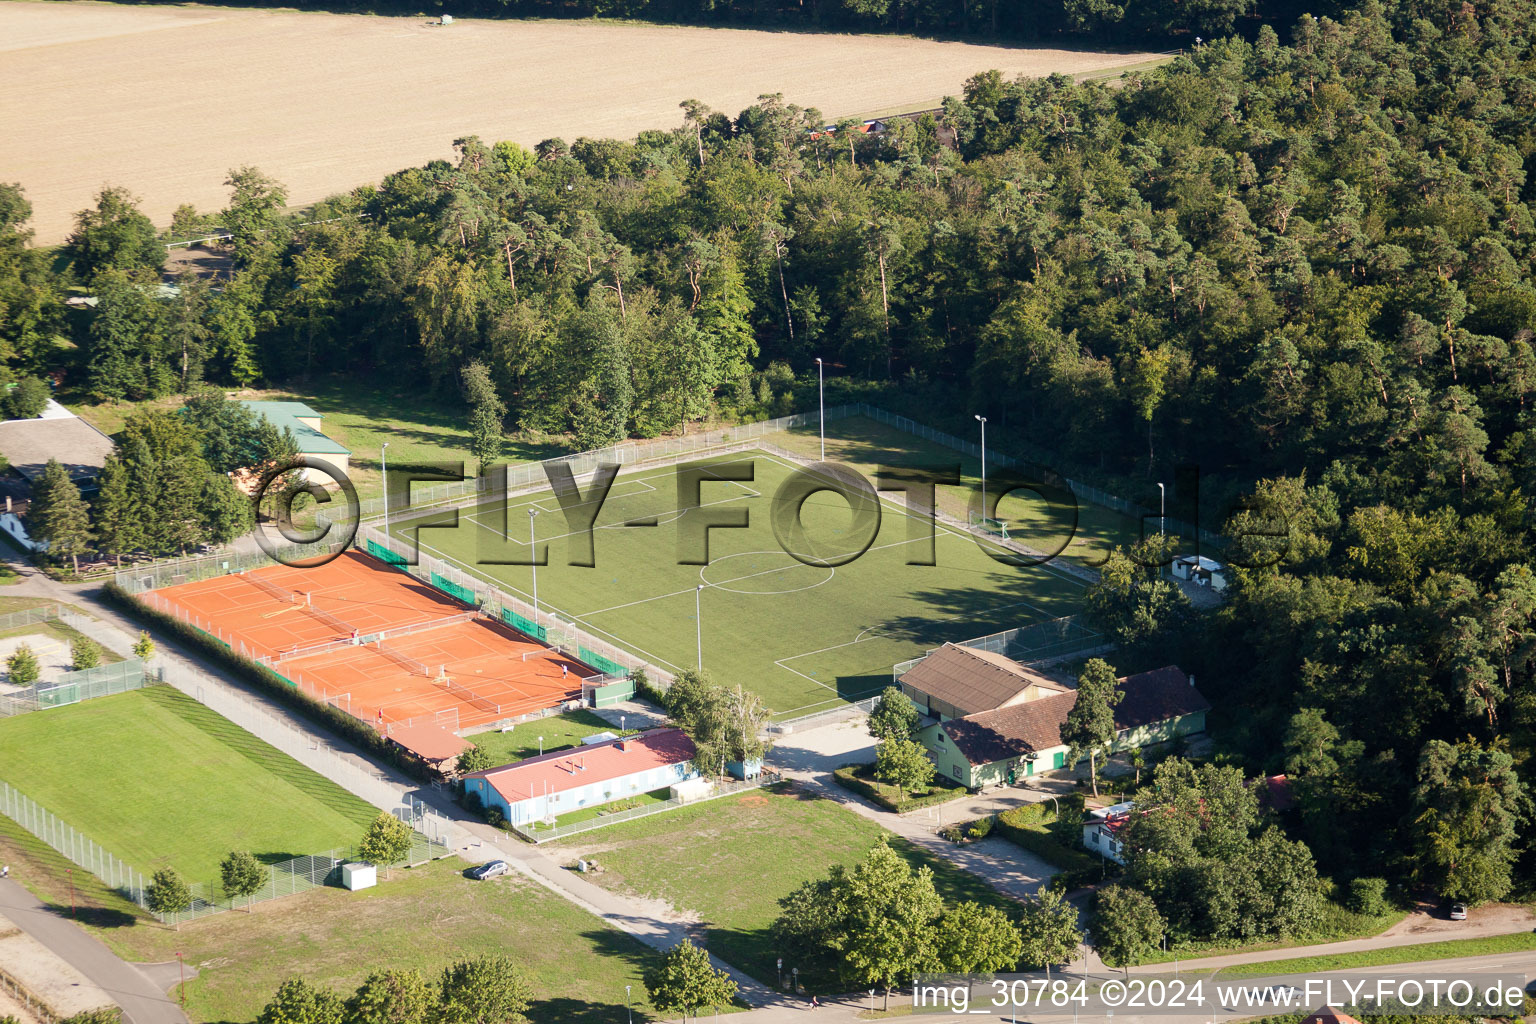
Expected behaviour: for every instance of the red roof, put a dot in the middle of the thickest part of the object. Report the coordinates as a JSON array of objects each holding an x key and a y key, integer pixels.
[
  {"x": 428, "y": 742},
  {"x": 1275, "y": 793},
  {"x": 1328, "y": 1015},
  {"x": 561, "y": 770}
]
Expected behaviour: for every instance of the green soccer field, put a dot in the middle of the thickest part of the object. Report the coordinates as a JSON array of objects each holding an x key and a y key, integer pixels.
[
  {"x": 805, "y": 637},
  {"x": 161, "y": 781}
]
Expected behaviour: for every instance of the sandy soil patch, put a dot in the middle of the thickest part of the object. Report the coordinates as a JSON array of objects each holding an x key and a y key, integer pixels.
[{"x": 166, "y": 100}]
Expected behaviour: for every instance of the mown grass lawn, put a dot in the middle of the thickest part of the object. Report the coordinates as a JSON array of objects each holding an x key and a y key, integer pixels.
[
  {"x": 1417, "y": 953},
  {"x": 731, "y": 860},
  {"x": 362, "y": 415},
  {"x": 558, "y": 731},
  {"x": 161, "y": 781},
  {"x": 423, "y": 918},
  {"x": 865, "y": 444}
]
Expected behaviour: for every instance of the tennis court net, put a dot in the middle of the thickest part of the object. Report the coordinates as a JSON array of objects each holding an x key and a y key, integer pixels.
[{"x": 281, "y": 593}]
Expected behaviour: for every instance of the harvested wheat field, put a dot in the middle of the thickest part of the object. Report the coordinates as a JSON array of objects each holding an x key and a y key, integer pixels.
[{"x": 164, "y": 100}]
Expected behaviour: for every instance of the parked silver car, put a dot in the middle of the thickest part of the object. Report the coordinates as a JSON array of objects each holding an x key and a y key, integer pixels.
[{"x": 490, "y": 869}]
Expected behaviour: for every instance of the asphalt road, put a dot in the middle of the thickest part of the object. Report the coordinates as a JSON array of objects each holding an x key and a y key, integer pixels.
[{"x": 142, "y": 1001}]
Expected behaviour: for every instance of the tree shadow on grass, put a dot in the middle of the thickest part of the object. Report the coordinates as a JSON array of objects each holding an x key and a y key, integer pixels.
[
  {"x": 98, "y": 917},
  {"x": 276, "y": 857},
  {"x": 584, "y": 1011}
]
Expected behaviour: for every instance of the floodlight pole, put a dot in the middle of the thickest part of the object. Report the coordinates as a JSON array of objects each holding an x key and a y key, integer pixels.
[
  {"x": 698, "y": 621},
  {"x": 384, "y": 470},
  {"x": 533, "y": 559},
  {"x": 821, "y": 399},
  {"x": 983, "y": 421},
  {"x": 1162, "y": 508}
]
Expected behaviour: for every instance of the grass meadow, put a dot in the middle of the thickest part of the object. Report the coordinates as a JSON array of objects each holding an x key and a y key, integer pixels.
[
  {"x": 523, "y": 740},
  {"x": 161, "y": 781},
  {"x": 423, "y": 918},
  {"x": 729, "y": 861}
]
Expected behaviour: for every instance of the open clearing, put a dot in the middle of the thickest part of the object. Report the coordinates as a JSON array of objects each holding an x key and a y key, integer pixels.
[
  {"x": 165, "y": 100},
  {"x": 161, "y": 781}
]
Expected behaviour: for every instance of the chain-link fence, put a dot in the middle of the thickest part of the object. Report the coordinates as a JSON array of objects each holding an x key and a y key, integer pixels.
[
  {"x": 1033, "y": 457},
  {"x": 785, "y": 725},
  {"x": 140, "y": 579},
  {"x": 1029, "y": 645},
  {"x": 557, "y": 631},
  {"x": 90, "y": 683},
  {"x": 295, "y": 875},
  {"x": 353, "y": 773},
  {"x": 70, "y": 687},
  {"x": 284, "y": 878},
  {"x": 79, "y": 848}
]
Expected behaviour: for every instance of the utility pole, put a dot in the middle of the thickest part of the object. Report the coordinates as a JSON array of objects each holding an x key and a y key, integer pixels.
[
  {"x": 698, "y": 621},
  {"x": 533, "y": 558}
]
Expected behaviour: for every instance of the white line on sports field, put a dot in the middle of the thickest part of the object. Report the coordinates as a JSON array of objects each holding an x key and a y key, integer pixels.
[{"x": 583, "y": 619}]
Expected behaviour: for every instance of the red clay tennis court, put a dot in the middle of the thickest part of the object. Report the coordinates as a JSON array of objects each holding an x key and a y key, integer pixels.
[{"x": 378, "y": 643}]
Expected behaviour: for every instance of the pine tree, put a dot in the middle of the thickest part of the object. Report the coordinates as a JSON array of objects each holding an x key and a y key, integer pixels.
[
  {"x": 486, "y": 412},
  {"x": 84, "y": 653},
  {"x": 21, "y": 668},
  {"x": 58, "y": 516},
  {"x": 227, "y": 513},
  {"x": 119, "y": 529},
  {"x": 1090, "y": 725}
]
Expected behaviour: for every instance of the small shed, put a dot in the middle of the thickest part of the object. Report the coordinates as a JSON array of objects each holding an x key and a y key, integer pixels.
[
  {"x": 1201, "y": 571},
  {"x": 359, "y": 876},
  {"x": 691, "y": 789}
]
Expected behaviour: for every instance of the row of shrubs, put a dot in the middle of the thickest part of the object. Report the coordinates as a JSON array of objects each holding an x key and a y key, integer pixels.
[
  {"x": 860, "y": 779},
  {"x": 343, "y": 725},
  {"x": 1026, "y": 827}
]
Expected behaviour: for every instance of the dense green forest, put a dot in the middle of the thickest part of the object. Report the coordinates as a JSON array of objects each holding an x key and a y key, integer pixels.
[
  {"x": 1306, "y": 267},
  {"x": 1150, "y": 23}
]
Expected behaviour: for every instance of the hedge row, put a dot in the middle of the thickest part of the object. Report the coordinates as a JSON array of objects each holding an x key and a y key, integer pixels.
[
  {"x": 1025, "y": 827},
  {"x": 859, "y": 778},
  {"x": 359, "y": 733}
]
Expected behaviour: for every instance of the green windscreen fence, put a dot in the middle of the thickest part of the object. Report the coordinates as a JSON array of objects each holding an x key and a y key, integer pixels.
[
  {"x": 284, "y": 678},
  {"x": 454, "y": 590},
  {"x": 602, "y": 664},
  {"x": 523, "y": 625},
  {"x": 383, "y": 554}
]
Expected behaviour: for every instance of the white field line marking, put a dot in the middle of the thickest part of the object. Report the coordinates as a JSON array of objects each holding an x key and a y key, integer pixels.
[
  {"x": 581, "y": 619},
  {"x": 861, "y": 638},
  {"x": 556, "y": 612}
]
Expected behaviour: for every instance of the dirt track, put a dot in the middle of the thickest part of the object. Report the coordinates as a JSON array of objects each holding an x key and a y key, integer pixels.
[{"x": 165, "y": 100}]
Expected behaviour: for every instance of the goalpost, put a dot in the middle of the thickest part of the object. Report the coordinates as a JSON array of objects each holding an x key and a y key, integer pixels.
[{"x": 996, "y": 527}]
